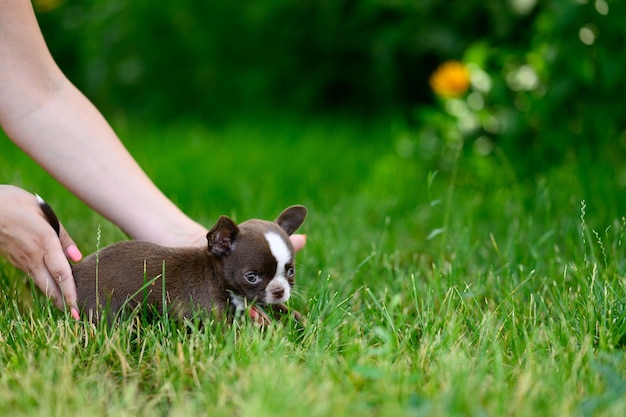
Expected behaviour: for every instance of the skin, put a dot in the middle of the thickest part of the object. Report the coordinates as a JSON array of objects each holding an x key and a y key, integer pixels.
[{"x": 44, "y": 114}]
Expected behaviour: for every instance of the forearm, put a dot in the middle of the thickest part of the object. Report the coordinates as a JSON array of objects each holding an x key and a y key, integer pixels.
[
  {"x": 47, "y": 117},
  {"x": 71, "y": 140}
]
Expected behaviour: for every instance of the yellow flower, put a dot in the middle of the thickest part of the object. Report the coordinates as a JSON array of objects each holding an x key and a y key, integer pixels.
[{"x": 450, "y": 80}]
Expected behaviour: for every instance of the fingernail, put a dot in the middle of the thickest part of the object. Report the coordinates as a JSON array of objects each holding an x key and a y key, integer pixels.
[
  {"x": 75, "y": 314},
  {"x": 73, "y": 253},
  {"x": 253, "y": 314}
]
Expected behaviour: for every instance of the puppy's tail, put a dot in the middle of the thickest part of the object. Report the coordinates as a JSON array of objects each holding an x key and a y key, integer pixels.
[{"x": 49, "y": 214}]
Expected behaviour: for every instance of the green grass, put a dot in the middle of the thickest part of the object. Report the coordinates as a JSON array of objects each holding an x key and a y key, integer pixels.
[{"x": 475, "y": 293}]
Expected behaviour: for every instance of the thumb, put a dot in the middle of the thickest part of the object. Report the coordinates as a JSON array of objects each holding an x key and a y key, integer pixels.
[
  {"x": 298, "y": 241},
  {"x": 69, "y": 247}
]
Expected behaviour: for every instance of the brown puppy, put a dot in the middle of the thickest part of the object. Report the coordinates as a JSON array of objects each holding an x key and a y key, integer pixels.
[{"x": 251, "y": 262}]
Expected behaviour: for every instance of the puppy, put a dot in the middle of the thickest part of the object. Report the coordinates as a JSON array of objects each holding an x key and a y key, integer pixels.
[{"x": 252, "y": 262}]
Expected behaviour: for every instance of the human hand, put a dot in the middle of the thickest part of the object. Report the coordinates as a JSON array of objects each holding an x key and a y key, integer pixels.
[
  {"x": 298, "y": 241},
  {"x": 29, "y": 242}
]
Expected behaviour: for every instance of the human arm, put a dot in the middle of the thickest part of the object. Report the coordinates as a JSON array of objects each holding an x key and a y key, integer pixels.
[{"x": 53, "y": 122}]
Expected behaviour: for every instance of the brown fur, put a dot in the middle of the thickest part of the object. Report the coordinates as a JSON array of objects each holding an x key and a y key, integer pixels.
[{"x": 131, "y": 273}]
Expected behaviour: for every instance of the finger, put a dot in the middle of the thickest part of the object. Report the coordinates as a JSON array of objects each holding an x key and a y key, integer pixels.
[
  {"x": 259, "y": 317},
  {"x": 50, "y": 288},
  {"x": 69, "y": 247},
  {"x": 61, "y": 273},
  {"x": 47, "y": 285},
  {"x": 298, "y": 241}
]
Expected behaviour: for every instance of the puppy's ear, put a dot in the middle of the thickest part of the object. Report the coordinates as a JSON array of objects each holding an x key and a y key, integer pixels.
[
  {"x": 222, "y": 236},
  {"x": 291, "y": 218}
]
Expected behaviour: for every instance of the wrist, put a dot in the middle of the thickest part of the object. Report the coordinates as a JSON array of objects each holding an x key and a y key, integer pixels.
[{"x": 179, "y": 234}]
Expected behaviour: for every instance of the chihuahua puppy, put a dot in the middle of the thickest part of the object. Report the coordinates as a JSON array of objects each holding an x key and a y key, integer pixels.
[{"x": 252, "y": 262}]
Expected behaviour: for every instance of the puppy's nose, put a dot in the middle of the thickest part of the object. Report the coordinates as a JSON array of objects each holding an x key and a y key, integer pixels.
[{"x": 278, "y": 292}]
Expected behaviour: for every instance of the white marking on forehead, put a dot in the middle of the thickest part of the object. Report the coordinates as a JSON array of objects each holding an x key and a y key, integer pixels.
[
  {"x": 282, "y": 254},
  {"x": 279, "y": 249}
]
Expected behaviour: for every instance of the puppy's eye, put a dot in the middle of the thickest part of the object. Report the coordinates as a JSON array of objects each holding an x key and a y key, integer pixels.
[
  {"x": 291, "y": 271},
  {"x": 252, "y": 278}
]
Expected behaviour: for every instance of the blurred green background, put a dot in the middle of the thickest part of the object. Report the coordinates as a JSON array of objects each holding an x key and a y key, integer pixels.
[
  {"x": 546, "y": 90},
  {"x": 465, "y": 251}
]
